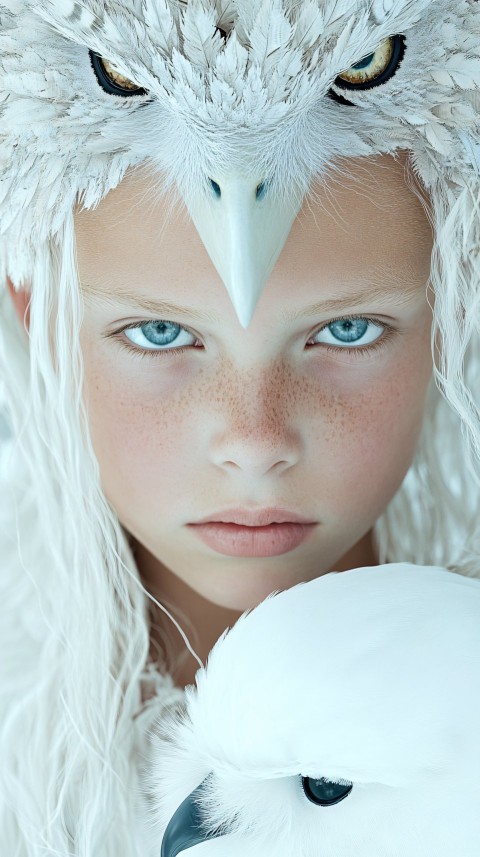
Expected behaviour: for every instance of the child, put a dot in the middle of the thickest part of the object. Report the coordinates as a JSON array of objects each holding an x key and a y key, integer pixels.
[{"x": 341, "y": 389}]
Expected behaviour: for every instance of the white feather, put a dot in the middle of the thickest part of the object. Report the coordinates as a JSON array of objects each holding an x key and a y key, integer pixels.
[
  {"x": 361, "y": 677},
  {"x": 270, "y": 34},
  {"x": 201, "y": 42},
  {"x": 160, "y": 23}
]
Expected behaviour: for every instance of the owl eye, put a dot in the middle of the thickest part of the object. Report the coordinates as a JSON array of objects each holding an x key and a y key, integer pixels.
[
  {"x": 110, "y": 80},
  {"x": 375, "y": 68},
  {"x": 323, "y": 792}
]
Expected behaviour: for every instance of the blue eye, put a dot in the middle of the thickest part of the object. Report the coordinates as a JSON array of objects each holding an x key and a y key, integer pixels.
[
  {"x": 159, "y": 333},
  {"x": 347, "y": 331},
  {"x": 158, "y": 337}
]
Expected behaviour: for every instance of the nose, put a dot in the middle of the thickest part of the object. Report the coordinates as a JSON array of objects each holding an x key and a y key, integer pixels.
[
  {"x": 251, "y": 458},
  {"x": 257, "y": 437}
]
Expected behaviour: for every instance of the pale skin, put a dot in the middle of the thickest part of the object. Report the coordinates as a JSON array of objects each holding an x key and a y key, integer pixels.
[{"x": 254, "y": 417}]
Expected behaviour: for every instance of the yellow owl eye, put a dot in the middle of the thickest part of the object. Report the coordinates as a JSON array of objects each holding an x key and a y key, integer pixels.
[
  {"x": 375, "y": 68},
  {"x": 112, "y": 81}
]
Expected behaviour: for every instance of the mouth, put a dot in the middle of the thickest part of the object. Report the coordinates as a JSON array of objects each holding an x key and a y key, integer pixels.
[
  {"x": 251, "y": 517},
  {"x": 233, "y": 539}
]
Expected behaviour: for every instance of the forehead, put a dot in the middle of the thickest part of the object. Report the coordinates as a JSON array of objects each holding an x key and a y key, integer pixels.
[{"x": 362, "y": 218}]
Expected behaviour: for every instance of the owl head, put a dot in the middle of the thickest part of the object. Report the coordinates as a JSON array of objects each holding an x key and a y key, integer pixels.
[
  {"x": 336, "y": 717},
  {"x": 234, "y": 106}
]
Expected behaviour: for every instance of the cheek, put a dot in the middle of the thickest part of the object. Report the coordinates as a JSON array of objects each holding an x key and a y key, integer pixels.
[
  {"x": 143, "y": 434},
  {"x": 369, "y": 432}
]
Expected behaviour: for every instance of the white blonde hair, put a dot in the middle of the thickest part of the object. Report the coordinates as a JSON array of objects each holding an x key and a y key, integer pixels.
[{"x": 77, "y": 626}]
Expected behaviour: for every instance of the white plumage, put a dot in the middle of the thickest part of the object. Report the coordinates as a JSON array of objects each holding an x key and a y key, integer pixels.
[
  {"x": 370, "y": 678},
  {"x": 237, "y": 104}
]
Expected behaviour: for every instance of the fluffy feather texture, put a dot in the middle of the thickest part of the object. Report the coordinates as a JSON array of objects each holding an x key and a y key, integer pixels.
[
  {"x": 370, "y": 677},
  {"x": 37, "y": 712},
  {"x": 256, "y": 99}
]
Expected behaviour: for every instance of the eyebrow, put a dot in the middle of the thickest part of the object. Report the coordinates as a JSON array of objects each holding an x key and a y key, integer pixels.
[
  {"x": 399, "y": 293},
  {"x": 152, "y": 305},
  {"x": 384, "y": 291}
]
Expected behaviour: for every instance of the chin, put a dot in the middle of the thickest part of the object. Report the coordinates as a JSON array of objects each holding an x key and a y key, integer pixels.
[{"x": 245, "y": 590}]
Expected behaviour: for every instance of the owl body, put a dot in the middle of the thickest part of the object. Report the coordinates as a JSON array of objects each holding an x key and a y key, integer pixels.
[{"x": 368, "y": 679}]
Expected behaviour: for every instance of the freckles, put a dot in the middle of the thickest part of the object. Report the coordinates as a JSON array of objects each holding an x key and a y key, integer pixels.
[
  {"x": 160, "y": 418},
  {"x": 365, "y": 435},
  {"x": 364, "y": 420},
  {"x": 257, "y": 403},
  {"x": 264, "y": 404}
]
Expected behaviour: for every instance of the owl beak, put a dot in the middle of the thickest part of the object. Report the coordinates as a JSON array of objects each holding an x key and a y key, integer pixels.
[
  {"x": 244, "y": 230},
  {"x": 184, "y": 829}
]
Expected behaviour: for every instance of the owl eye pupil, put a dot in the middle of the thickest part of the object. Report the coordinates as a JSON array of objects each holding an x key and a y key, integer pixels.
[
  {"x": 363, "y": 63},
  {"x": 324, "y": 792}
]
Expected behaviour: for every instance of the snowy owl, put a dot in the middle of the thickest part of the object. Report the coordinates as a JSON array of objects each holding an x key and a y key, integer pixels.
[
  {"x": 237, "y": 105},
  {"x": 338, "y": 717}
]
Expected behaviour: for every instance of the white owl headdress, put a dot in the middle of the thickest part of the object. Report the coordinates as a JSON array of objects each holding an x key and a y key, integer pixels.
[
  {"x": 238, "y": 103},
  {"x": 236, "y": 106}
]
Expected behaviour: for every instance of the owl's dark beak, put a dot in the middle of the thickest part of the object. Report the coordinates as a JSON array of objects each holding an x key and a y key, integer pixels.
[{"x": 185, "y": 828}]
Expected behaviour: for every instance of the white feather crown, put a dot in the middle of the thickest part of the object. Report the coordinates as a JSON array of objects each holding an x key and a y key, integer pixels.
[{"x": 221, "y": 84}]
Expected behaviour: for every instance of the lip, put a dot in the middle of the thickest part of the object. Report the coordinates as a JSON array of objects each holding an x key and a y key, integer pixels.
[
  {"x": 254, "y": 517},
  {"x": 238, "y": 540}
]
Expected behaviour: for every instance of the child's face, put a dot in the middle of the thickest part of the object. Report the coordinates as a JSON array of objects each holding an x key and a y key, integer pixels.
[{"x": 258, "y": 417}]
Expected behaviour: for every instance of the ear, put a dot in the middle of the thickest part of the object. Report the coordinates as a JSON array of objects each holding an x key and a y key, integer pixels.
[{"x": 21, "y": 301}]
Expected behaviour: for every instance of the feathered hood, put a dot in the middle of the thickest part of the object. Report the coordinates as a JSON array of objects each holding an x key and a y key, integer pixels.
[{"x": 228, "y": 97}]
